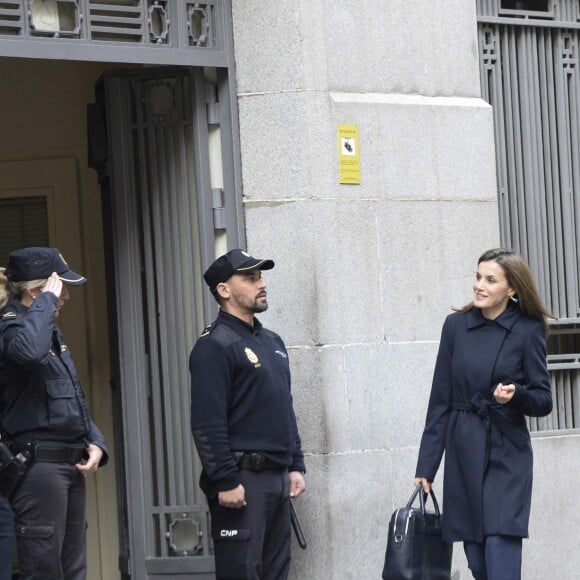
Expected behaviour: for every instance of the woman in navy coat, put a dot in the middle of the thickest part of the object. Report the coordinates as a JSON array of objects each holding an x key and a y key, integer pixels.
[{"x": 491, "y": 372}]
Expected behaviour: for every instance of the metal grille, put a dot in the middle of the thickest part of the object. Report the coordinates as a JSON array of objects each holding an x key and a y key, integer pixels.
[
  {"x": 164, "y": 143},
  {"x": 529, "y": 74},
  {"x": 153, "y": 178},
  {"x": 169, "y": 23},
  {"x": 11, "y": 17}
]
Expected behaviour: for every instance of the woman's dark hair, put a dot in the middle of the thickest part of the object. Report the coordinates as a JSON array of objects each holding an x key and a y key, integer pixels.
[{"x": 519, "y": 277}]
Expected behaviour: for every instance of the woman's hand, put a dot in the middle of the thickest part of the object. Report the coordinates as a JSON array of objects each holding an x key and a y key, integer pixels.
[
  {"x": 53, "y": 284},
  {"x": 504, "y": 393},
  {"x": 92, "y": 463},
  {"x": 424, "y": 482}
]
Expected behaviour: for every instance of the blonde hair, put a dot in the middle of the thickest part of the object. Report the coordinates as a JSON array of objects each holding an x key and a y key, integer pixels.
[{"x": 9, "y": 290}]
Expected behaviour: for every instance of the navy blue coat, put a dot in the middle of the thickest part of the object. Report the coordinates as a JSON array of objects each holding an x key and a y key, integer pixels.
[{"x": 487, "y": 486}]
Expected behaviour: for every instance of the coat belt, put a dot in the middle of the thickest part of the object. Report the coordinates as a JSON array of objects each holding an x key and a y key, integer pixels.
[{"x": 487, "y": 410}]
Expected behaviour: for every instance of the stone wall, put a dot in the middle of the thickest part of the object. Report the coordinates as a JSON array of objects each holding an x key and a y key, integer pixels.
[{"x": 365, "y": 274}]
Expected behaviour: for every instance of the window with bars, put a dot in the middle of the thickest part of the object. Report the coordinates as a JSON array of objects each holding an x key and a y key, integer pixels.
[{"x": 23, "y": 223}]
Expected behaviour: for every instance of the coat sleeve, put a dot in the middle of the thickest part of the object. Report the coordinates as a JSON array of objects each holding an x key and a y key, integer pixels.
[
  {"x": 210, "y": 370},
  {"x": 29, "y": 342},
  {"x": 534, "y": 398},
  {"x": 439, "y": 409},
  {"x": 95, "y": 437},
  {"x": 297, "y": 454}
]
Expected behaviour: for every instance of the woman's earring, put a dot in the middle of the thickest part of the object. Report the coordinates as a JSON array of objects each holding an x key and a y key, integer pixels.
[{"x": 513, "y": 298}]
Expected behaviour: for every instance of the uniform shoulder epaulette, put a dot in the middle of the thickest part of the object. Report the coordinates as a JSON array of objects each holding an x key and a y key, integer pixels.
[
  {"x": 207, "y": 330},
  {"x": 9, "y": 318}
]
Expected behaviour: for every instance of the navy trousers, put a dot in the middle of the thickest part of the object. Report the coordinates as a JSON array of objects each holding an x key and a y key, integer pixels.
[
  {"x": 49, "y": 513},
  {"x": 497, "y": 558},
  {"x": 6, "y": 539},
  {"x": 253, "y": 542}
]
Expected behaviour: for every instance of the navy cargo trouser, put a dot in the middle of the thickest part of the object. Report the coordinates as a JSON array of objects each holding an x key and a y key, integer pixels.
[
  {"x": 6, "y": 539},
  {"x": 253, "y": 542},
  {"x": 49, "y": 513}
]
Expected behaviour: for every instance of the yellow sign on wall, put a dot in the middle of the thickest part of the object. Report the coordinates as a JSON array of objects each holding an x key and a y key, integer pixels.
[{"x": 348, "y": 154}]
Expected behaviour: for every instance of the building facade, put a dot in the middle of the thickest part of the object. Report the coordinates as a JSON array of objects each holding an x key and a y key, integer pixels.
[{"x": 146, "y": 137}]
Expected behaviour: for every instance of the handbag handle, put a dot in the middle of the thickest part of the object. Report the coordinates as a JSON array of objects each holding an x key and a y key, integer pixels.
[{"x": 422, "y": 498}]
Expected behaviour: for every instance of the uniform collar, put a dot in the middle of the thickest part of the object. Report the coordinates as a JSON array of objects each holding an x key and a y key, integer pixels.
[
  {"x": 506, "y": 319},
  {"x": 235, "y": 322}
]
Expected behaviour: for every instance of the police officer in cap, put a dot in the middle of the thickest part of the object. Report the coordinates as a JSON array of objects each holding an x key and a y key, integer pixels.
[
  {"x": 44, "y": 413},
  {"x": 244, "y": 425}
]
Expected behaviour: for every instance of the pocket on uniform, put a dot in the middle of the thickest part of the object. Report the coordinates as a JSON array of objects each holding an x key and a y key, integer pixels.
[
  {"x": 36, "y": 531},
  {"x": 60, "y": 400},
  {"x": 233, "y": 558},
  {"x": 231, "y": 534}
]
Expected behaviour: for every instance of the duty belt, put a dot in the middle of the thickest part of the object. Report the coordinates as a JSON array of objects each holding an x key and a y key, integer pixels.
[
  {"x": 48, "y": 454},
  {"x": 255, "y": 461}
]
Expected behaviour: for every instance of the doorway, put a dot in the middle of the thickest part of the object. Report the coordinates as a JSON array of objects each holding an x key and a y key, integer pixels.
[
  {"x": 49, "y": 195},
  {"x": 141, "y": 228},
  {"x": 151, "y": 175}
]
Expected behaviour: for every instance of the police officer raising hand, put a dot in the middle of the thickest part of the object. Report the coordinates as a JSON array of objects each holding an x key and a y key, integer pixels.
[{"x": 45, "y": 415}]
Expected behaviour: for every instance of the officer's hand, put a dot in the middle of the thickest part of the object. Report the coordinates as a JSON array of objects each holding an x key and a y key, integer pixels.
[
  {"x": 53, "y": 284},
  {"x": 424, "y": 482},
  {"x": 504, "y": 393},
  {"x": 297, "y": 483},
  {"x": 92, "y": 463},
  {"x": 233, "y": 498}
]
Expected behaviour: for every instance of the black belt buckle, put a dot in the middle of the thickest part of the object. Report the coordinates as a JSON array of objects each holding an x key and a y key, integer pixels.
[
  {"x": 251, "y": 461},
  {"x": 257, "y": 461}
]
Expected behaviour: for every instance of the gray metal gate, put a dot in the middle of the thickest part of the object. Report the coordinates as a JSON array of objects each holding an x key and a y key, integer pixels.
[
  {"x": 529, "y": 74},
  {"x": 159, "y": 215}
]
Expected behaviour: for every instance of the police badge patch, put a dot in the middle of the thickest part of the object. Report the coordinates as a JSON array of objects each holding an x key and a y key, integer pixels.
[{"x": 252, "y": 357}]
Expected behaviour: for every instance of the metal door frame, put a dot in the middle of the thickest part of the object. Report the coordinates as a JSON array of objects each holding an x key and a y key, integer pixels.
[{"x": 127, "y": 301}]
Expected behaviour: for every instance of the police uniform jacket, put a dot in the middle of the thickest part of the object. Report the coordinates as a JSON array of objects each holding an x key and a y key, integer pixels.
[
  {"x": 41, "y": 398},
  {"x": 487, "y": 485},
  {"x": 241, "y": 400}
]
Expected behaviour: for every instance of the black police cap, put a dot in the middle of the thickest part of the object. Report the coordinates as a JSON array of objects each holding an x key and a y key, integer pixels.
[
  {"x": 234, "y": 261},
  {"x": 39, "y": 263}
]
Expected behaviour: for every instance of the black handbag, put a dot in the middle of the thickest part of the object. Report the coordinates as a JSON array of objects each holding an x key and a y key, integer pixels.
[{"x": 415, "y": 550}]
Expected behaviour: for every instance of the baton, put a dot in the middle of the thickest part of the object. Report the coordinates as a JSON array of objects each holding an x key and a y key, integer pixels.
[{"x": 296, "y": 527}]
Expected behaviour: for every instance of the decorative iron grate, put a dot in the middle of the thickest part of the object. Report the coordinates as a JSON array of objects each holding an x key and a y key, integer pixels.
[
  {"x": 171, "y": 23},
  {"x": 11, "y": 18},
  {"x": 529, "y": 12}
]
